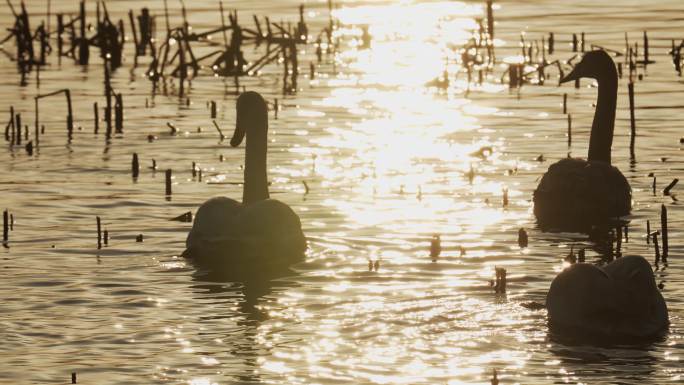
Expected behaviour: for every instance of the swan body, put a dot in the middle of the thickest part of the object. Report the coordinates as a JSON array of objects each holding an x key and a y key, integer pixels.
[
  {"x": 576, "y": 194},
  {"x": 617, "y": 302},
  {"x": 259, "y": 233}
]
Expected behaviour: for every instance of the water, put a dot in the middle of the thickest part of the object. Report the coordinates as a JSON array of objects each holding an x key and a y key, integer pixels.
[{"x": 386, "y": 161}]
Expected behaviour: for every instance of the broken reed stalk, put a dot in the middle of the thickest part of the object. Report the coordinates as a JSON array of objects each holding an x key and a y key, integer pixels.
[
  {"x": 653, "y": 186},
  {"x": 500, "y": 286},
  {"x": 70, "y": 116},
  {"x": 626, "y": 234},
  {"x": 569, "y": 130},
  {"x": 96, "y": 117},
  {"x": 168, "y": 182},
  {"x": 83, "y": 46},
  {"x": 118, "y": 114},
  {"x": 10, "y": 124},
  {"x": 218, "y": 129},
  {"x": 669, "y": 187},
  {"x": 17, "y": 129},
  {"x": 657, "y": 248},
  {"x": 275, "y": 109},
  {"x": 646, "y": 58},
  {"x": 99, "y": 232},
  {"x": 490, "y": 20},
  {"x": 663, "y": 226},
  {"x": 108, "y": 96},
  {"x": 135, "y": 166},
  {"x": 648, "y": 232},
  {"x": 213, "y": 109},
  {"x": 5, "y": 227},
  {"x": 565, "y": 103},
  {"x": 632, "y": 122},
  {"x": 134, "y": 31}
]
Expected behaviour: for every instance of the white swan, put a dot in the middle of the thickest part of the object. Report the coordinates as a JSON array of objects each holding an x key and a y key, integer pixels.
[
  {"x": 575, "y": 194},
  {"x": 618, "y": 302},
  {"x": 259, "y": 232}
]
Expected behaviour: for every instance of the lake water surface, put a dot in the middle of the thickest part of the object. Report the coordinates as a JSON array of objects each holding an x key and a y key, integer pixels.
[{"x": 386, "y": 161}]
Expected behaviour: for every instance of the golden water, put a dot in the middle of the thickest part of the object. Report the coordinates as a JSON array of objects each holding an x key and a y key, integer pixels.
[{"x": 386, "y": 161}]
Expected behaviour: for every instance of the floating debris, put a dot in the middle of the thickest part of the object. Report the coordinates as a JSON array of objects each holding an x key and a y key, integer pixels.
[{"x": 185, "y": 217}]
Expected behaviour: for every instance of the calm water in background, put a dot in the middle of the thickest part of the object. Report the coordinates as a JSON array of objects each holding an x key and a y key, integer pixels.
[{"x": 386, "y": 162}]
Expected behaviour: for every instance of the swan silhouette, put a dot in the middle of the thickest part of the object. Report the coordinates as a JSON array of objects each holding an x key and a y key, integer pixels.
[
  {"x": 618, "y": 302},
  {"x": 576, "y": 194},
  {"x": 260, "y": 232}
]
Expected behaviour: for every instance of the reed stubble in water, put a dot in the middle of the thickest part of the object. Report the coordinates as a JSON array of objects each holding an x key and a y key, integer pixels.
[
  {"x": 135, "y": 166},
  {"x": 569, "y": 130},
  {"x": 99, "y": 232},
  {"x": 657, "y": 248},
  {"x": 5, "y": 227},
  {"x": 522, "y": 238},
  {"x": 168, "y": 182},
  {"x": 663, "y": 226},
  {"x": 632, "y": 123}
]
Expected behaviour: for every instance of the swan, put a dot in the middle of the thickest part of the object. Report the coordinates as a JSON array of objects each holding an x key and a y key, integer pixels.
[
  {"x": 260, "y": 232},
  {"x": 616, "y": 302},
  {"x": 576, "y": 194}
]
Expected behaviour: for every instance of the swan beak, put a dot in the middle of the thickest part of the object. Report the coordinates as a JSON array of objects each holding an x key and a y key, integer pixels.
[
  {"x": 239, "y": 133},
  {"x": 573, "y": 75}
]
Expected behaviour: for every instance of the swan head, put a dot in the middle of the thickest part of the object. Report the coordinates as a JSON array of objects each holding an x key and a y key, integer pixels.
[
  {"x": 251, "y": 112},
  {"x": 595, "y": 65}
]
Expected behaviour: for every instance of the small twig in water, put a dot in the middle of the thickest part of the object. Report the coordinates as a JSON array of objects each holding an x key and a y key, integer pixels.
[
  {"x": 669, "y": 187},
  {"x": 219, "y": 130}
]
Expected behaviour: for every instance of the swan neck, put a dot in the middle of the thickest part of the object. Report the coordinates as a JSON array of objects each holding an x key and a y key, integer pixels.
[
  {"x": 256, "y": 184},
  {"x": 602, "y": 128}
]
